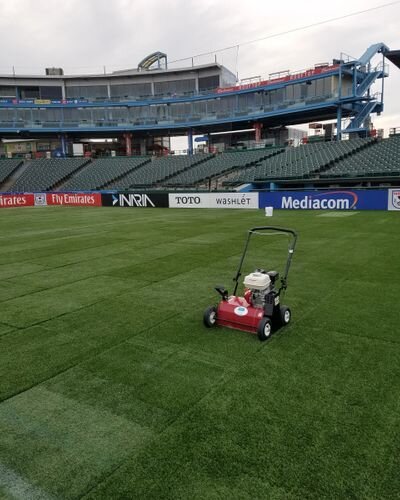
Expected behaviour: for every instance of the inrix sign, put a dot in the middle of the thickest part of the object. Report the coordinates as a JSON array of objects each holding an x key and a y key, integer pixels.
[{"x": 132, "y": 200}]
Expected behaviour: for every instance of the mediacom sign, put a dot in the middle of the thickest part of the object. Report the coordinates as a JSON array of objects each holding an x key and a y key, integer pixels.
[
  {"x": 213, "y": 200},
  {"x": 354, "y": 199},
  {"x": 16, "y": 200},
  {"x": 74, "y": 199}
]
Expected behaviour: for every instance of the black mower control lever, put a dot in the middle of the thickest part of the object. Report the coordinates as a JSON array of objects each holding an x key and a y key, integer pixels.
[{"x": 222, "y": 291}]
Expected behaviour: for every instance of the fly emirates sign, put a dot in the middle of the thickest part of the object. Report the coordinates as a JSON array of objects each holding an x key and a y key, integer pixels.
[{"x": 16, "y": 200}]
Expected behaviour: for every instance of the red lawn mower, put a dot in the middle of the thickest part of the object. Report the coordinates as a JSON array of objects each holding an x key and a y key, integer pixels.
[{"x": 259, "y": 311}]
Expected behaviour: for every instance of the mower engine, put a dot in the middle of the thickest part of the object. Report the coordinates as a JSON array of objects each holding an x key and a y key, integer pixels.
[{"x": 258, "y": 285}]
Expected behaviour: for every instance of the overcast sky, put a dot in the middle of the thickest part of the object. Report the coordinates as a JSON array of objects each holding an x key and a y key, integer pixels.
[{"x": 86, "y": 35}]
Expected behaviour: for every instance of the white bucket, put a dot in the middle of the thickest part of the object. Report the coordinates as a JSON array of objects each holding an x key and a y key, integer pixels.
[{"x": 269, "y": 211}]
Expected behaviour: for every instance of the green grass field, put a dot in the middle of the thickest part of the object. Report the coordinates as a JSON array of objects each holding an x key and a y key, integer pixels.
[{"x": 110, "y": 386}]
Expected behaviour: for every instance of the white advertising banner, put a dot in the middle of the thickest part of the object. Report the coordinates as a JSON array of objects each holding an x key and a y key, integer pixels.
[
  {"x": 213, "y": 200},
  {"x": 394, "y": 199}
]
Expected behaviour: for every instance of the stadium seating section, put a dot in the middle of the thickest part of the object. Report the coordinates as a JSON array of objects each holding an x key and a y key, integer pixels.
[
  {"x": 100, "y": 173},
  {"x": 7, "y": 167},
  {"x": 351, "y": 158},
  {"x": 219, "y": 165},
  {"x": 382, "y": 159},
  {"x": 159, "y": 170},
  {"x": 45, "y": 174},
  {"x": 303, "y": 161}
]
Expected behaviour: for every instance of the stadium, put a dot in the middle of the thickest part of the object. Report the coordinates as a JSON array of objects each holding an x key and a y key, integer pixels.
[{"x": 113, "y": 240}]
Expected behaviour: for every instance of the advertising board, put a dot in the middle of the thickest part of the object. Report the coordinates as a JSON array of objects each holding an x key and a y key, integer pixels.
[
  {"x": 74, "y": 199},
  {"x": 135, "y": 200},
  {"x": 213, "y": 200},
  {"x": 393, "y": 199},
  {"x": 16, "y": 200},
  {"x": 341, "y": 199}
]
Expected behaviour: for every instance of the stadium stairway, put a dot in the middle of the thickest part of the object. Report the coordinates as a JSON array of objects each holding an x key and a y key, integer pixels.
[
  {"x": 101, "y": 173},
  {"x": 43, "y": 174},
  {"x": 59, "y": 185},
  {"x": 117, "y": 181},
  {"x": 230, "y": 178},
  {"x": 382, "y": 159},
  {"x": 156, "y": 171},
  {"x": 351, "y": 155},
  {"x": 10, "y": 171},
  {"x": 303, "y": 162},
  {"x": 218, "y": 166},
  {"x": 189, "y": 167}
]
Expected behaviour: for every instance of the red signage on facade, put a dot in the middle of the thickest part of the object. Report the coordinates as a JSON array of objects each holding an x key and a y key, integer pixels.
[
  {"x": 16, "y": 200},
  {"x": 74, "y": 199},
  {"x": 287, "y": 78}
]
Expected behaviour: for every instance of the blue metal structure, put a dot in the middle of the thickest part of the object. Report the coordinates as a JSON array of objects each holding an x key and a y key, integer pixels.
[
  {"x": 361, "y": 103},
  {"x": 337, "y": 91}
]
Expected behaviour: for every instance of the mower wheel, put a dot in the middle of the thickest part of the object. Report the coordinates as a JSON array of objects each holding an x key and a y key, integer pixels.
[
  {"x": 264, "y": 329},
  {"x": 210, "y": 316},
  {"x": 286, "y": 315}
]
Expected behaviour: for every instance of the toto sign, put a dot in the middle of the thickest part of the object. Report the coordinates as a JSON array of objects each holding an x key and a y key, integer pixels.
[{"x": 213, "y": 200}]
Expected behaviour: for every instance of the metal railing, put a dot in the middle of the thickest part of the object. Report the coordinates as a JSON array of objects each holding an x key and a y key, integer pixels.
[{"x": 223, "y": 114}]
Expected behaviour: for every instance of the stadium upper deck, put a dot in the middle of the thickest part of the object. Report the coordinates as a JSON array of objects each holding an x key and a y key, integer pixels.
[{"x": 199, "y": 99}]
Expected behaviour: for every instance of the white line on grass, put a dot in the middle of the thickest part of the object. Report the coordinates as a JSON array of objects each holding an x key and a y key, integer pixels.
[
  {"x": 16, "y": 486},
  {"x": 337, "y": 214}
]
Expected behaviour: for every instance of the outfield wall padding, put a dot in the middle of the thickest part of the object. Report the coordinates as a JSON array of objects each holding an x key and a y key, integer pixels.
[{"x": 333, "y": 199}]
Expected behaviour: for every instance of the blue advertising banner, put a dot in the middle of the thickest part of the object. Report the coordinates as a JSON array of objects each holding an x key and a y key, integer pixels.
[{"x": 334, "y": 199}]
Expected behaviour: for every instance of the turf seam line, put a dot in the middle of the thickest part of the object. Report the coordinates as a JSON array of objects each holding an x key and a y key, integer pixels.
[
  {"x": 50, "y": 232},
  {"x": 23, "y": 294},
  {"x": 58, "y": 316},
  {"x": 10, "y": 326},
  {"x": 107, "y": 298},
  {"x": 378, "y": 340},
  {"x": 158, "y": 435},
  {"x": 227, "y": 375},
  {"x": 87, "y": 248},
  {"x": 82, "y": 361},
  {"x": 134, "y": 341},
  {"x": 69, "y": 283},
  {"x": 46, "y": 267}
]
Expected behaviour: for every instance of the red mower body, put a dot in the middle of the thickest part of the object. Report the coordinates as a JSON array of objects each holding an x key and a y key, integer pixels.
[{"x": 237, "y": 313}]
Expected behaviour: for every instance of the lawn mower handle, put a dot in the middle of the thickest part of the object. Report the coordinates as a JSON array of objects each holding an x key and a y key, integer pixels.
[{"x": 292, "y": 246}]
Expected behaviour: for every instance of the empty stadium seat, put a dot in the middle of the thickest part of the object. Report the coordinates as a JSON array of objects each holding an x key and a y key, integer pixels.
[
  {"x": 44, "y": 174},
  {"x": 158, "y": 170},
  {"x": 381, "y": 159},
  {"x": 103, "y": 172},
  {"x": 218, "y": 165},
  {"x": 7, "y": 167}
]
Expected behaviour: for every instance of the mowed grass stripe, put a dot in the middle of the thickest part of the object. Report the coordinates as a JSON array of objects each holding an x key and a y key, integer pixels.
[{"x": 207, "y": 413}]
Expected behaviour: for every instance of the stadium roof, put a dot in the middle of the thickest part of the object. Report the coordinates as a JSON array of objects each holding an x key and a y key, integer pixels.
[
  {"x": 394, "y": 57},
  {"x": 151, "y": 59}
]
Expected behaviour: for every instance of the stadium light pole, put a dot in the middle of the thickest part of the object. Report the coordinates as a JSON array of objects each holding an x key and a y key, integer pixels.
[
  {"x": 190, "y": 141},
  {"x": 63, "y": 145},
  {"x": 339, "y": 108}
]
